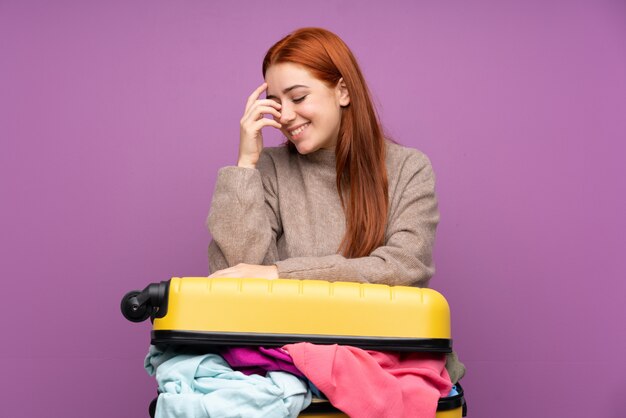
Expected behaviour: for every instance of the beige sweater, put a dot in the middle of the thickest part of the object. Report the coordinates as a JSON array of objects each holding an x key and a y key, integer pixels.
[{"x": 287, "y": 212}]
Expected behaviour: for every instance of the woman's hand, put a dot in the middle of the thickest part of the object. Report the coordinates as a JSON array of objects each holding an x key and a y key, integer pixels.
[
  {"x": 250, "y": 138},
  {"x": 248, "y": 271}
]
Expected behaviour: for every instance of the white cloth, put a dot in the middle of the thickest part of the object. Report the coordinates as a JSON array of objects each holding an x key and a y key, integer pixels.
[{"x": 204, "y": 386}]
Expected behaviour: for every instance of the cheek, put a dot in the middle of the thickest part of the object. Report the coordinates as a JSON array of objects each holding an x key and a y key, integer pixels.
[
  {"x": 307, "y": 109},
  {"x": 332, "y": 120}
]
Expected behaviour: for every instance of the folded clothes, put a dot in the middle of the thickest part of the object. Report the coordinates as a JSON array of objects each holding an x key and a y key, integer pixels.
[
  {"x": 372, "y": 384},
  {"x": 195, "y": 385}
]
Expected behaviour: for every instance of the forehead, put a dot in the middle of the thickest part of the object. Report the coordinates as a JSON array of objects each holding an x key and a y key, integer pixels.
[{"x": 284, "y": 75}]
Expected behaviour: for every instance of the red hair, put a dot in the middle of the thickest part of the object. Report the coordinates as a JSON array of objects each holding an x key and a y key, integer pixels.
[{"x": 360, "y": 149}]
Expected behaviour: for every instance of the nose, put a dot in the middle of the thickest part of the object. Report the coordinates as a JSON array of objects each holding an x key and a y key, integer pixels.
[{"x": 287, "y": 114}]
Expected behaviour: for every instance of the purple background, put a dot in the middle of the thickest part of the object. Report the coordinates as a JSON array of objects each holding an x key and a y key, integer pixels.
[{"x": 115, "y": 116}]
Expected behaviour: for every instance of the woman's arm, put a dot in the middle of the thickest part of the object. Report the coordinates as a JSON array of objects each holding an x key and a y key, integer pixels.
[
  {"x": 244, "y": 220},
  {"x": 404, "y": 259},
  {"x": 406, "y": 256}
]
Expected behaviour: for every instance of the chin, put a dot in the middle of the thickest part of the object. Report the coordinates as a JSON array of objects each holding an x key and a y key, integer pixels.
[{"x": 304, "y": 148}]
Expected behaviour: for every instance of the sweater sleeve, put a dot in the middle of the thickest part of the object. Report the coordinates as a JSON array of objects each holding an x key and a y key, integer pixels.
[
  {"x": 406, "y": 256},
  {"x": 243, "y": 219}
]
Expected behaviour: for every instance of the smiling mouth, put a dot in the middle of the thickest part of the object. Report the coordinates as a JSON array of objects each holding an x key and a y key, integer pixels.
[{"x": 296, "y": 132}]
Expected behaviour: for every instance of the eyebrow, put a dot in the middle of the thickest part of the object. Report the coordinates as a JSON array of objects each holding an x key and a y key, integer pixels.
[{"x": 287, "y": 90}]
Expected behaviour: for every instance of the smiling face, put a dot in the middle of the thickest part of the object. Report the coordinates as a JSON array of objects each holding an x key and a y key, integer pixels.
[{"x": 311, "y": 111}]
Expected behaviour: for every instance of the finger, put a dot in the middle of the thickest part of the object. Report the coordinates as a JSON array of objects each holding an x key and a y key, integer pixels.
[
  {"x": 255, "y": 95},
  {"x": 263, "y": 122},
  {"x": 220, "y": 273},
  {"x": 257, "y": 113},
  {"x": 268, "y": 106},
  {"x": 226, "y": 276},
  {"x": 269, "y": 102}
]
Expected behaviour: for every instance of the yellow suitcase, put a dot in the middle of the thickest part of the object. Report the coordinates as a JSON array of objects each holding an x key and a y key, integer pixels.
[{"x": 204, "y": 312}]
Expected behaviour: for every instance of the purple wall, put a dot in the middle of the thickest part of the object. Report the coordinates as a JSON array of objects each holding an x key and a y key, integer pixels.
[{"x": 115, "y": 116}]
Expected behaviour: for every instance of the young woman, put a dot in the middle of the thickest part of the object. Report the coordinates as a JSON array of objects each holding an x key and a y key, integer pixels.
[{"x": 339, "y": 202}]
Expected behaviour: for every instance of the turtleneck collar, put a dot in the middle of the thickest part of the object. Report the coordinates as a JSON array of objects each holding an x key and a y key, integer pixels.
[{"x": 321, "y": 156}]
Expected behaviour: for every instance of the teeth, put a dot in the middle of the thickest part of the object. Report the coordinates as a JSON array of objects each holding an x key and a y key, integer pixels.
[{"x": 297, "y": 131}]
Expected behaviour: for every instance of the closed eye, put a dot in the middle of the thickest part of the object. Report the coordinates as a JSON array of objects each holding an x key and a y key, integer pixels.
[{"x": 299, "y": 99}]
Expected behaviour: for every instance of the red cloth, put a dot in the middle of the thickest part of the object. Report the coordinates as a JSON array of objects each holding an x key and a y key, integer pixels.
[{"x": 373, "y": 384}]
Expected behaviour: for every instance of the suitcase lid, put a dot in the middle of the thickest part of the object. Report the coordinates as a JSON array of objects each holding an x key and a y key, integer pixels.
[{"x": 276, "y": 312}]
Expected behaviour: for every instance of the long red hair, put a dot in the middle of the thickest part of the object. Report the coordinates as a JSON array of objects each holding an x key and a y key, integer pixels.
[{"x": 360, "y": 151}]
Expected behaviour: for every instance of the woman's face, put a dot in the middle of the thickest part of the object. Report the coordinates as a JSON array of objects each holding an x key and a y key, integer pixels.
[{"x": 311, "y": 111}]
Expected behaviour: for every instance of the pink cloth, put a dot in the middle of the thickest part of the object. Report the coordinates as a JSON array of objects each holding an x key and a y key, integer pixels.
[
  {"x": 259, "y": 360},
  {"x": 373, "y": 384}
]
